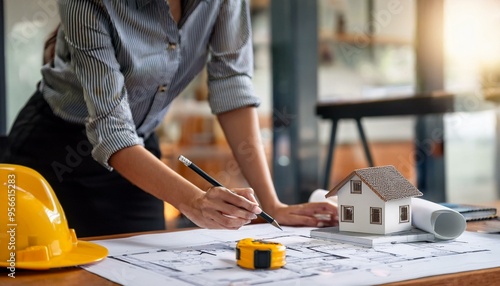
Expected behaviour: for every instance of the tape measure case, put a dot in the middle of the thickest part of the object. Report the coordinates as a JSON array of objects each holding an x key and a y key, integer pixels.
[{"x": 259, "y": 254}]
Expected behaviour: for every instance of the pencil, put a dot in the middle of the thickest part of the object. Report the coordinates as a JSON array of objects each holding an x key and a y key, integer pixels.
[{"x": 214, "y": 182}]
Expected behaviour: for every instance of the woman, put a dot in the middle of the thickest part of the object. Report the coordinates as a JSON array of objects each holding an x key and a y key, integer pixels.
[{"x": 89, "y": 128}]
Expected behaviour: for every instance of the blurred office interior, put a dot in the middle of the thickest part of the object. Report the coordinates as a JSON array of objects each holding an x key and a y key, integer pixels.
[{"x": 364, "y": 49}]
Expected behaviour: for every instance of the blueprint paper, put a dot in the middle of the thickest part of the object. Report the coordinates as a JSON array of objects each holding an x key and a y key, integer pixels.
[
  {"x": 207, "y": 257},
  {"x": 441, "y": 221}
]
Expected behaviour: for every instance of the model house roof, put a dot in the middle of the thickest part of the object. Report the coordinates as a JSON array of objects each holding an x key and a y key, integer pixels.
[{"x": 385, "y": 181}]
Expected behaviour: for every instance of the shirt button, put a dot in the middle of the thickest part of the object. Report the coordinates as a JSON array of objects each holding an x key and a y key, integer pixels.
[
  {"x": 163, "y": 88},
  {"x": 172, "y": 46}
]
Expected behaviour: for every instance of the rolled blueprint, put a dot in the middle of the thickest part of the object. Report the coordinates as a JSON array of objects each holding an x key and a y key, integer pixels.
[
  {"x": 441, "y": 221},
  {"x": 319, "y": 196}
]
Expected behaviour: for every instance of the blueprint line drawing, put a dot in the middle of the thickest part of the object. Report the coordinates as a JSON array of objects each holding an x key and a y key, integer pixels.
[
  {"x": 214, "y": 263},
  {"x": 207, "y": 257}
]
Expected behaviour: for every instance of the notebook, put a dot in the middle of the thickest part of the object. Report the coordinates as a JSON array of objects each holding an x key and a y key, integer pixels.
[{"x": 473, "y": 212}]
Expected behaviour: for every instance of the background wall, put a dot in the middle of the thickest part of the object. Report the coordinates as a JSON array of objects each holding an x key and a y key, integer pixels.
[
  {"x": 347, "y": 71},
  {"x": 27, "y": 24}
]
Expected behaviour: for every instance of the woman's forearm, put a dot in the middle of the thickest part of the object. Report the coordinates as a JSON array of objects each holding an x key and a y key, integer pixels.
[
  {"x": 144, "y": 170},
  {"x": 241, "y": 128},
  {"x": 216, "y": 208}
]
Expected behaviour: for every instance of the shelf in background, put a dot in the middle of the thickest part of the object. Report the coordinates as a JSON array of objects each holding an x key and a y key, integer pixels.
[
  {"x": 349, "y": 38},
  {"x": 361, "y": 39}
]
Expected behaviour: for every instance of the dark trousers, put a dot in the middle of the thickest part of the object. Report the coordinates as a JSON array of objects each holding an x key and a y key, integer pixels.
[{"x": 95, "y": 200}]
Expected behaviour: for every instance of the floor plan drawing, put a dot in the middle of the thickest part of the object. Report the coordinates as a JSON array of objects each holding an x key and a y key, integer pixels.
[{"x": 307, "y": 259}]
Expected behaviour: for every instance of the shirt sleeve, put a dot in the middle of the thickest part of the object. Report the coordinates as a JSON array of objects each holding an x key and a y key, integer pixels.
[
  {"x": 230, "y": 68},
  {"x": 110, "y": 126}
]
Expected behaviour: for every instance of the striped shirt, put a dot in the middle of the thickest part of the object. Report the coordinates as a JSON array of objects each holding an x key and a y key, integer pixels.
[{"x": 120, "y": 63}]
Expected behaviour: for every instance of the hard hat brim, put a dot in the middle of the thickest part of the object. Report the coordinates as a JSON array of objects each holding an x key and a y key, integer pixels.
[{"x": 83, "y": 253}]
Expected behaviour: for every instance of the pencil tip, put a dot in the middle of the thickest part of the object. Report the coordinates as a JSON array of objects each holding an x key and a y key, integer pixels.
[{"x": 275, "y": 223}]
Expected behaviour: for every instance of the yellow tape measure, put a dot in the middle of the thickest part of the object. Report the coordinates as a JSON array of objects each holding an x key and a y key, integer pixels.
[{"x": 259, "y": 254}]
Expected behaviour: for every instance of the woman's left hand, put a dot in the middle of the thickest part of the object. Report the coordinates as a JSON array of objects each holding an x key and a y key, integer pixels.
[{"x": 317, "y": 214}]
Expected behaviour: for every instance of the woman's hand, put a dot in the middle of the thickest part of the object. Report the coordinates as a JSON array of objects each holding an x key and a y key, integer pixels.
[
  {"x": 317, "y": 214},
  {"x": 220, "y": 207}
]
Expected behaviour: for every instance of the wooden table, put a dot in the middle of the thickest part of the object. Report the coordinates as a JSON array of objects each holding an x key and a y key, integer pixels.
[{"x": 78, "y": 276}]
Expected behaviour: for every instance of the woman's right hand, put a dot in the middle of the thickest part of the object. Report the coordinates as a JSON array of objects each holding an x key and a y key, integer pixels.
[{"x": 221, "y": 208}]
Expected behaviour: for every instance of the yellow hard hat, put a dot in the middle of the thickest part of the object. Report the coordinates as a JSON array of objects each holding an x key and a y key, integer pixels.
[{"x": 34, "y": 233}]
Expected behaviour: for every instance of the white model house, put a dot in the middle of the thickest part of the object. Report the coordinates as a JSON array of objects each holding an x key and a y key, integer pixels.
[{"x": 375, "y": 200}]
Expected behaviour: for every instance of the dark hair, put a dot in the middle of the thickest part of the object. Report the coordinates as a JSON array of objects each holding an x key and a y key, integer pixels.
[{"x": 49, "y": 48}]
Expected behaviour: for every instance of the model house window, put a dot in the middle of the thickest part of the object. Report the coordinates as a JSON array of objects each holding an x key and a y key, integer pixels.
[
  {"x": 404, "y": 213},
  {"x": 347, "y": 213},
  {"x": 355, "y": 187},
  {"x": 376, "y": 215}
]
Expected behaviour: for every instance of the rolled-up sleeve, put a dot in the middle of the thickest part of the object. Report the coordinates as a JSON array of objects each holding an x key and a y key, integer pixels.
[
  {"x": 230, "y": 68},
  {"x": 110, "y": 126}
]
